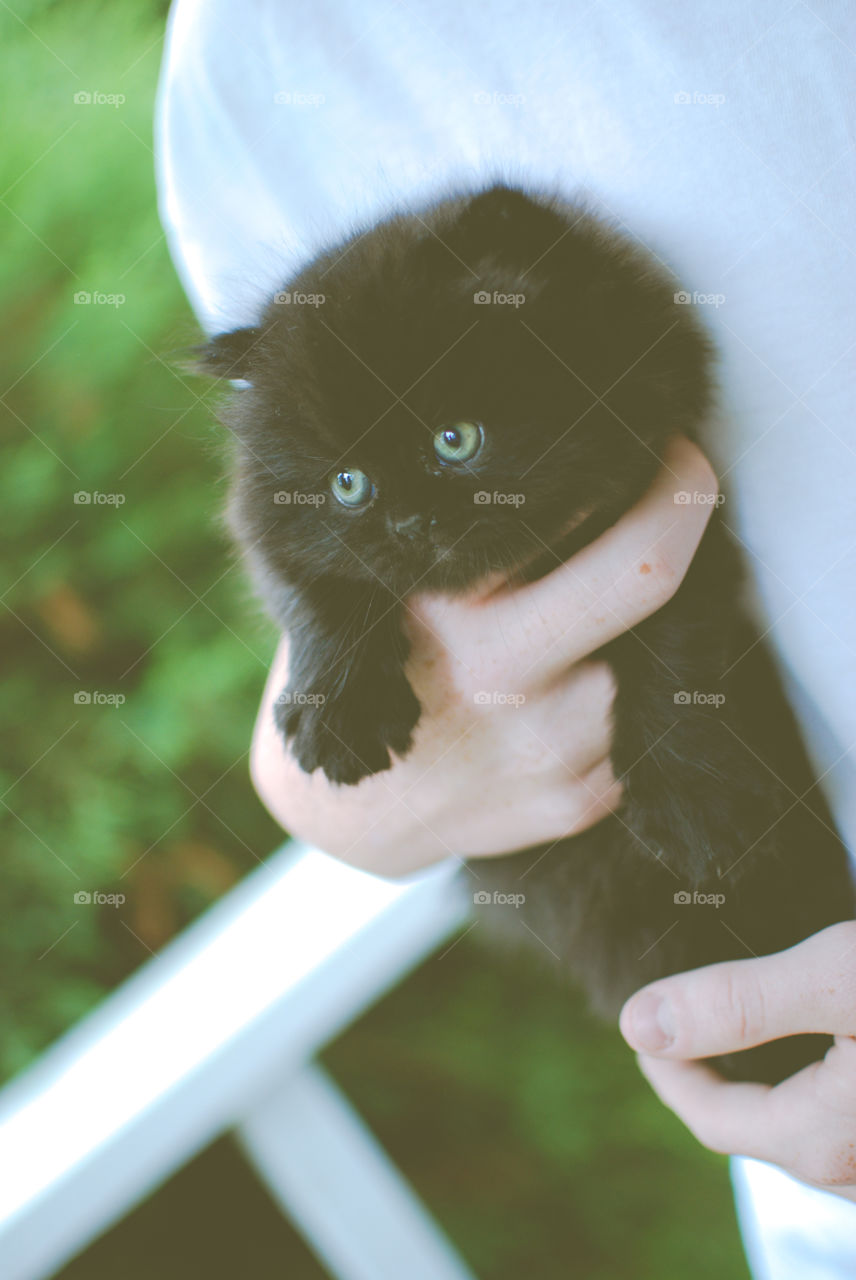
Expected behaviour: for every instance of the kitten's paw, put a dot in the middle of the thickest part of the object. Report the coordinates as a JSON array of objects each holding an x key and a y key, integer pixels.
[{"x": 346, "y": 738}]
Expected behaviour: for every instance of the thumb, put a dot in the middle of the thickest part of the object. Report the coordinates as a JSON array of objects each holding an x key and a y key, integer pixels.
[{"x": 741, "y": 1003}]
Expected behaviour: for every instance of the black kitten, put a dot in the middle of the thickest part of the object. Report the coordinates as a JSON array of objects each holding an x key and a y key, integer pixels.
[{"x": 512, "y": 345}]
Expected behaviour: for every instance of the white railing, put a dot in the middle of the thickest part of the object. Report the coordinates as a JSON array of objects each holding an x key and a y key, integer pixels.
[{"x": 218, "y": 1032}]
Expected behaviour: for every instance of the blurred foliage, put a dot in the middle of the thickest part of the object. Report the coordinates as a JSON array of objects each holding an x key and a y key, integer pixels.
[
  {"x": 143, "y": 600},
  {"x": 524, "y": 1124}
]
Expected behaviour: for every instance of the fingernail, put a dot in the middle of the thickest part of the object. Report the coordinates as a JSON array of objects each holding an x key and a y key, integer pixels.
[{"x": 652, "y": 1023}]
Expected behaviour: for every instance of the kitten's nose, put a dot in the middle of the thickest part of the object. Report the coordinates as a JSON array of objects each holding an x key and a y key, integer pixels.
[{"x": 409, "y": 526}]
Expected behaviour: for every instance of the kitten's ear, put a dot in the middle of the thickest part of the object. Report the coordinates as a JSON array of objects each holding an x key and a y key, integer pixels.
[
  {"x": 229, "y": 355},
  {"x": 505, "y": 218},
  {"x": 501, "y": 203}
]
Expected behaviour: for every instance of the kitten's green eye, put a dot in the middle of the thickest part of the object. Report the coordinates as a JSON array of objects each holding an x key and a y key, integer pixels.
[
  {"x": 458, "y": 443},
  {"x": 352, "y": 488}
]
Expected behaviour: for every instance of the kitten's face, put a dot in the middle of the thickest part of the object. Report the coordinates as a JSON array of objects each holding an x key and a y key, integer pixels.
[{"x": 472, "y": 383}]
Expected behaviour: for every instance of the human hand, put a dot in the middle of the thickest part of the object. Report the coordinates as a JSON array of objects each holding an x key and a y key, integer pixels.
[
  {"x": 807, "y": 1124},
  {"x": 531, "y": 763}
]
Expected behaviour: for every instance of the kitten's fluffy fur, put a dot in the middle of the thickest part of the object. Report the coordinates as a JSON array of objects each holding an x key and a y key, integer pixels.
[{"x": 578, "y": 390}]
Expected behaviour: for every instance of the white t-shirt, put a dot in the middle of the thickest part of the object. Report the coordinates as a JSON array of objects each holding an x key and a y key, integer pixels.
[{"x": 719, "y": 133}]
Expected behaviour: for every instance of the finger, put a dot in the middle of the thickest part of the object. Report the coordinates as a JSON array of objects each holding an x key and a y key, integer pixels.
[
  {"x": 735, "y": 1119},
  {"x": 805, "y": 1124},
  {"x": 634, "y": 568},
  {"x": 572, "y": 720},
  {"x": 593, "y": 796},
  {"x": 624, "y": 576},
  {"x": 545, "y": 813},
  {"x": 732, "y": 1006}
]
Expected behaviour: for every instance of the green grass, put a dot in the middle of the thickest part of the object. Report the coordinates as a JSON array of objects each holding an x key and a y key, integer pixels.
[
  {"x": 524, "y": 1124},
  {"x": 142, "y": 600}
]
